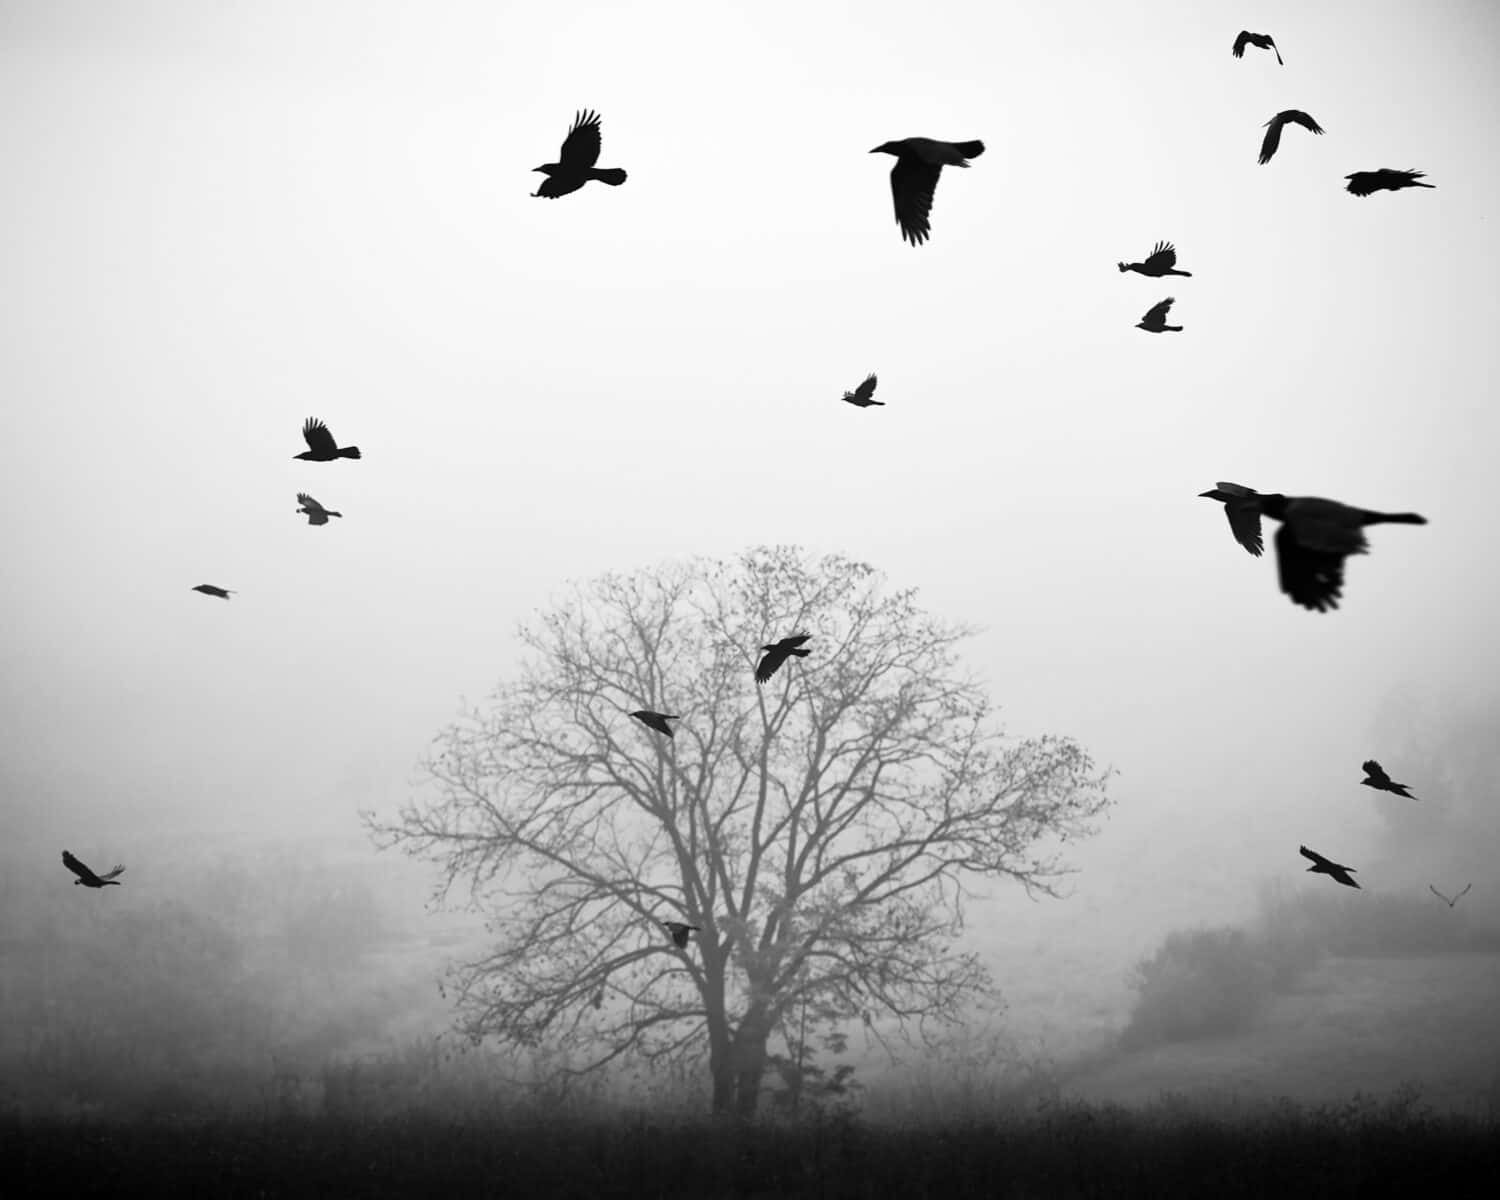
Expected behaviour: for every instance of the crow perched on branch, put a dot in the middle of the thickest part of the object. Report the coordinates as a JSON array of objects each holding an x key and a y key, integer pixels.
[
  {"x": 1263, "y": 41},
  {"x": 862, "y": 396},
  {"x": 679, "y": 932},
  {"x": 1244, "y": 517},
  {"x": 919, "y": 162},
  {"x": 1323, "y": 866},
  {"x": 1161, "y": 261},
  {"x": 1363, "y": 183},
  {"x": 1375, "y": 777},
  {"x": 1293, "y": 116},
  {"x": 87, "y": 877},
  {"x": 655, "y": 720},
  {"x": 320, "y": 444},
  {"x": 316, "y": 513},
  {"x": 208, "y": 589},
  {"x": 575, "y": 161},
  {"x": 777, "y": 653},
  {"x": 1155, "y": 320}
]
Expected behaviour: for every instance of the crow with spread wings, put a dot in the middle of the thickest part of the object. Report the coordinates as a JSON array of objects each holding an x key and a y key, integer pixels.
[
  {"x": 1365, "y": 183},
  {"x": 864, "y": 395},
  {"x": 87, "y": 878},
  {"x": 1292, "y": 116},
  {"x": 919, "y": 162},
  {"x": 575, "y": 161},
  {"x": 1161, "y": 261},
  {"x": 1244, "y": 516},
  {"x": 320, "y": 444},
  {"x": 1262, "y": 41},
  {"x": 777, "y": 653},
  {"x": 1155, "y": 320},
  {"x": 316, "y": 513}
]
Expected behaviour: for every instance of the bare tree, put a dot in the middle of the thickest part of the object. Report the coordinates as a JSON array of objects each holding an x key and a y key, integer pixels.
[{"x": 822, "y": 830}]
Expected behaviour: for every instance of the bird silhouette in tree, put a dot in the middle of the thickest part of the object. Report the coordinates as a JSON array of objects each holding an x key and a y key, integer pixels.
[
  {"x": 679, "y": 932},
  {"x": 1161, "y": 261},
  {"x": 1244, "y": 516},
  {"x": 1263, "y": 41},
  {"x": 320, "y": 444},
  {"x": 575, "y": 161},
  {"x": 1375, "y": 777},
  {"x": 208, "y": 589},
  {"x": 1324, "y": 866},
  {"x": 1364, "y": 183},
  {"x": 87, "y": 878},
  {"x": 316, "y": 513},
  {"x": 777, "y": 653},
  {"x": 1292, "y": 116},
  {"x": 919, "y": 163},
  {"x": 1155, "y": 320},
  {"x": 1450, "y": 902},
  {"x": 863, "y": 395},
  {"x": 655, "y": 720}
]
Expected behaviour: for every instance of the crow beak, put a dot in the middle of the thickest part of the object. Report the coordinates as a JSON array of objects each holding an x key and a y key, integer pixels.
[{"x": 534, "y": 170}]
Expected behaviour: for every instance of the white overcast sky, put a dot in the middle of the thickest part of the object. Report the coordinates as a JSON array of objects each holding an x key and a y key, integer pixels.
[{"x": 220, "y": 218}]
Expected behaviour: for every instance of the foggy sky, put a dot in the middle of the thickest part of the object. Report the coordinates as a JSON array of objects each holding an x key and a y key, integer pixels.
[{"x": 221, "y": 219}]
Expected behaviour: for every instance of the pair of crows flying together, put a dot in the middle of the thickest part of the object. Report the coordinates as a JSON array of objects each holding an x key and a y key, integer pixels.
[
  {"x": 772, "y": 656},
  {"x": 1375, "y": 777}
]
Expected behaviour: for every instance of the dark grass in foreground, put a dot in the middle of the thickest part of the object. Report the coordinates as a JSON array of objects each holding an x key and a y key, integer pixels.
[{"x": 1358, "y": 1149}]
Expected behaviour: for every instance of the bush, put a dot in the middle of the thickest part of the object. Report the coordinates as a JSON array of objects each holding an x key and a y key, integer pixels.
[{"x": 1199, "y": 983}]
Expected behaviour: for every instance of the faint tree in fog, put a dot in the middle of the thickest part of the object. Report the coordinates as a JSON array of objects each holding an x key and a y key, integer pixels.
[{"x": 822, "y": 829}]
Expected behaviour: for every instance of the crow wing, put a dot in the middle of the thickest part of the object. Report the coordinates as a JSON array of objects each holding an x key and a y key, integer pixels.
[
  {"x": 114, "y": 874},
  {"x": 80, "y": 870},
  {"x": 1245, "y": 38},
  {"x": 1312, "y": 578},
  {"x": 318, "y": 439},
  {"x": 912, "y": 184},
  {"x": 865, "y": 390},
  {"x": 770, "y": 662},
  {"x": 580, "y": 149},
  {"x": 1298, "y": 117},
  {"x": 1376, "y": 772},
  {"x": 1157, "y": 313},
  {"x": 1163, "y": 258},
  {"x": 1313, "y": 856}
]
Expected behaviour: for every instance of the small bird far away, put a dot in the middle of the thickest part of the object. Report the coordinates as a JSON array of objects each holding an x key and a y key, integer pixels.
[
  {"x": 87, "y": 877},
  {"x": 655, "y": 720},
  {"x": 208, "y": 589},
  {"x": 320, "y": 444},
  {"x": 1244, "y": 516},
  {"x": 1375, "y": 777},
  {"x": 1272, "y": 139},
  {"x": 1363, "y": 183},
  {"x": 679, "y": 932},
  {"x": 863, "y": 395},
  {"x": 919, "y": 162},
  {"x": 1449, "y": 902},
  {"x": 575, "y": 161},
  {"x": 1155, "y": 320},
  {"x": 1315, "y": 537},
  {"x": 777, "y": 653},
  {"x": 1263, "y": 41},
  {"x": 316, "y": 513},
  {"x": 1161, "y": 261},
  {"x": 1333, "y": 870}
]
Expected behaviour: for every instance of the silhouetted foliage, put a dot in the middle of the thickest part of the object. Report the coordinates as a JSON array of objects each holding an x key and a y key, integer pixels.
[{"x": 1199, "y": 983}]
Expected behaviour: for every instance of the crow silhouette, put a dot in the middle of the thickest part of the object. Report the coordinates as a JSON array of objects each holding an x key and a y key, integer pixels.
[
  {"x": 1315, "y": 537},
  {"x": 208, "y": 589},
  {"x": 87, "y": 877},
  {"x": 575, "y": 161},
  {"x": 679, "y": 932},
  {"x": 777, "y": 653},
  {"x": 1333, "y": 870},
  {"x": 320, "y": 444},
  {"x": 1274, "y": 126},
  {"x": 1155, "y": 320},
  {"x": 1263, "y": 41},
  {"x": 1363, "y": 183},
  {"x": 316, "y": 513},
  {"x": 1449, "y": 902},
  {"x": 919, "y": 162},
  {"x": 1375, "y": 777},
  {"x": 1244, "y": 516},
  {"x": 863, "y": 395},
  {"x": 1161, "y": 261},
  {"x": 655, "y": 720}
]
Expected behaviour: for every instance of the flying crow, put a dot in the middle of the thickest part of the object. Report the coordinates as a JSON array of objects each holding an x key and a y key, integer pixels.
[
  {"x": 1362, "y": 183},
  {"x": 1161, "y": 261},
  {"x": 575, "y": 161},
  {"x": 1244, "y": 517},
  {"x": 208, "y": 589},
  {"x": 1315, "y": 537},
  {"x": 919, "y": 162},
  {"x": 679, "y": 932},
  {"x": 1445, "y": 899},
  {"x": 1375, "y": 777},
  {"x": 777, "y": 653},
  {"x": 1263, "y": 41},
  {"x": 316, "y": 513},
  {"x": 862, "y": 396},
  {"x": 1155, "y": 320},
  {"x": 655, "y": 720},
  {"x": 87, "y": 877},
  {"x": 1323, "y": 866},
  {"x": 320, "y": 444},
  {"x": 1274, "y": 126}
]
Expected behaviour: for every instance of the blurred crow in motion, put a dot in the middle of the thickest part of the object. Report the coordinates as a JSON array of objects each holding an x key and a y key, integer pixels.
[
  {"x": 1363, "y": 183},
  {"x": 1155, "y": 320},
  {"x": 919, "y": 162},
  {"x": 1333, "y": 870},
  {"x": 575, "y": 161},
  {"x": 1293, "y": 116},
  {"x": 1263, "y": 41},
  {"x": 1445, "y": 899},
  {"x": 862, "y": 396},
  {"x": 1161, "y": 261},
  {"x": 655, "y": 720},
  {"x": 777, "y": 653},
  {"x": 1375, "y": 777},
  {"x": 679, "y": 932},
  {"x": 316, "y": 513},
  {"x": 1315, "y": 537},
  {"x": 208, "y": 589},
  {"x": 1244, "y": 516},
  {"x": 320, "y": 444},
  {"x": 87, "y": 877}
]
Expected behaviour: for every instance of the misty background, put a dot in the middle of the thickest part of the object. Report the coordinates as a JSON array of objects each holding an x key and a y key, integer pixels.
[{"x": 221, "y": 219}]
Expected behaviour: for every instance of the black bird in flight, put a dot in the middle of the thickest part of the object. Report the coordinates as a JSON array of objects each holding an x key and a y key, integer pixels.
[
  {"x": 87, "y": 877},
  {"x": 1363, "y": 183},
  {"x": 1315, "y": 537},
  {"x": 320, "y": 444},
  {"x": 1263, "y": 41},
  {"x": 1161, "y": 261},
  {"x": 1375, "y": 777},
  {"x": 1445, "y": 899},
  {"x": 655, "y": 720},
  {"x": 316, "y": 513},
  {"x": 679, "y": 932},
  {"x": 1293, "y": 116},
  {"x": 777, "y": 653},
  {"x": 863, "y": 395},
  {"x": 208, "y": 589},
  {"x": 575, "y": 161},
  {"x": 919, "y": 162},
  {"x": 1155, "y": 320},
  {"x": 1244, "y": 517},
  {"x": 1333, "y": 870}
]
